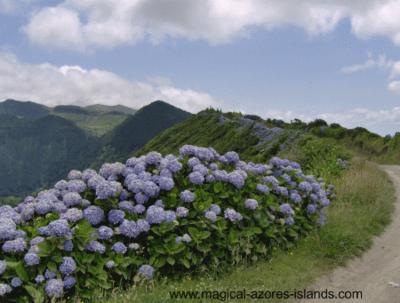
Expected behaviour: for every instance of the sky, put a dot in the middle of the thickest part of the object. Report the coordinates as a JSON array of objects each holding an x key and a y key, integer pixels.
[{"x": 337, "y": 60}]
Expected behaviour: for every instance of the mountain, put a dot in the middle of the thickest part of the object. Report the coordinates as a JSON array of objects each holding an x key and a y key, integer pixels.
[
  {"x": 27, "y": 109},
  {"x": 36, "y": 153},
  {"x": 111, "y": 108},
  {"x": 140, "y": 128}
]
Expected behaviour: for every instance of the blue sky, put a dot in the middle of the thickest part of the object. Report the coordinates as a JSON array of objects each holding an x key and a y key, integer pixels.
[{"x": 273, "y": 58}]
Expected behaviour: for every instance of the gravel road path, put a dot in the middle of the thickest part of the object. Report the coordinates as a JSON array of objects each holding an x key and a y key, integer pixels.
[{"x": 377, "y": 272}]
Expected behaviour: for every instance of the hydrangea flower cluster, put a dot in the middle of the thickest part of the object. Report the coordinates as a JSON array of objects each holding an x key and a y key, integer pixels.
[{"x": 126, "y": 218}]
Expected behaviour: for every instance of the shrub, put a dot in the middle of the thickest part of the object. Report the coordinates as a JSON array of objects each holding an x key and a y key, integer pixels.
[{"x": 153, "y": 216}]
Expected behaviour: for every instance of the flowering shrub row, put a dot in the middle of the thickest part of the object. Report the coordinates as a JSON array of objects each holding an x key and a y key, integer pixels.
[{"x": 153, "y": 215}]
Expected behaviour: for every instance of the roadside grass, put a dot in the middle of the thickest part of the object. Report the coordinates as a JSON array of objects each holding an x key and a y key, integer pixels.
[{"x": 365, "y": 201}]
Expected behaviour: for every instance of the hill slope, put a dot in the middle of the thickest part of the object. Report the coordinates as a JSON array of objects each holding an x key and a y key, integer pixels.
[
  {"x": 36, "y": 153},
  {"x": 28, "y": 109},
  {"x": 140, "y": 128}
]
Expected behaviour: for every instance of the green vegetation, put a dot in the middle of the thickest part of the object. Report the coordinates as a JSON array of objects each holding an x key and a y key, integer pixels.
[
  {"x": 35, "y": 153},
  {"x": 362, "y": 209},
  {"x": 111, "y": 108},
  {"x": 139, "y": 129}
]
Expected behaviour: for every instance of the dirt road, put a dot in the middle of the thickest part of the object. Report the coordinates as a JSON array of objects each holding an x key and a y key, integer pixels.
[{"x": 377, "y": 272}]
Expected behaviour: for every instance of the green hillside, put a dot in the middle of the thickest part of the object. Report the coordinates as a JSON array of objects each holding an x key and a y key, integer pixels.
[
  {"x": 35, "y": 153},
  {"x": 93, "y": 122},
  {"x": 111, "y": 108},
  {"x": 28, "y": 109},
  {"x": 140, "y": 128}
]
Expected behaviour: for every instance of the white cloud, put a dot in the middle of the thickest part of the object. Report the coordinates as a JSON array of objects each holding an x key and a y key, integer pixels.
[
  {"x": 109, "y": 23},
  {"x": 381, "y": 62},
  {"x": 52, "y": 85},
  {"x": 392, "y": 67}
]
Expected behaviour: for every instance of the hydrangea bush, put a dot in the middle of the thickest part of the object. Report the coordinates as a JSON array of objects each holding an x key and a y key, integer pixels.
[{"x": 153, "y": 216}]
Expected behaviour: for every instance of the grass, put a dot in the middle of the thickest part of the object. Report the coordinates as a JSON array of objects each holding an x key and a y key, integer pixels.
[
  {"x": 96, "y": 124},
  {"x": 362, "y": 209}
]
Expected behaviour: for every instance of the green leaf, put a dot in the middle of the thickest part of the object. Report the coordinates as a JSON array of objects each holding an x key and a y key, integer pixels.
[
  {"x": 171, "y": 261},
  {"x": 36, "y": 293}
]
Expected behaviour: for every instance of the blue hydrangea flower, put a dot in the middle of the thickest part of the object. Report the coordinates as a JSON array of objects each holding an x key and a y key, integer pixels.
[
  {"x": 289, "y": 220},
  {"x": 141, "y": 198},
  {"x": 262, "y": 188},
  {"x": 39, "y": 279},
  {"x": 155, "y": 214},
  {"x": 232, "y": 215},
  {"x": 286, "y": 209},
  {"x": 110, "y": 264},
  {"x": 72, "y": 215},
  {"x": 210, "y": 215},
  {"x": 127, "y": 206},
  {"x": 87, "y": 174},
  {"x": 143, "y": 225},
  {"x": 54, "y": 288},
  {"x": 251, "y": 204},
  {"x": 174, "y": 165},
  {"x": 192, "y": 162},
  {"x": 14, "y": 246},
  {"x": 166, "y": 183},
  {"x": 36, "y": 240},
  {"x": 187, "y": 196},
  {"x": 169, "y": 216},
  {"x": 104, "y": 190},
  {"x": 74, "y": 175},
  {"x": 68, "y": 266},
  {"x": 94, "y": 214},
  {"x": 68, "y": 245},
  {"x": 7, "y": 229},
  {"x": 105, "y": 232},
  {"x": 311, "y": 208},
  {"x": 31, "y": 259},
  {"x": 153, "y": 158},
  {"x": 201, "y": 169},
  {"x": 150, "y": 189},
  {"x": 116, "y": 216},
  {"x": 215, "y": 208},
  {"x": 182, "y": 212},
  {"x": 196, "y": 178},
  {"x": 72, "y": 199},
  {"x": 95, "y": 246},
  {"x": 4, "y": 289},
  {"x": 77, "y": 186},
  {"x": 295, "y": 197},
  {"x": 139, "y": 209},
  {"x": 325, "y": 202},
  {"x": 221, "y": 175},
  {"x": 95, "y": 181},
  {"x": 232, "y": 157},
  {"x": 59, "y": 228},
  {"x": 305, "y": 187},
  {"x": 48, "y": 274},
  {"x": 3, "y": 267},
  {"x": 236, "y": 179},
  {"x": 16, "y": 282},
  {"x": 61, "y": 185},
  {"x": 129, "y": 229},
  {"x": 119, "y": 248},
  {"x": 69, "y": 282},
  {"x": 146, "y": 271}
]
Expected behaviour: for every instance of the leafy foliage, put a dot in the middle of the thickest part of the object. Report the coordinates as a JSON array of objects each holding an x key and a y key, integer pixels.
[{"x": 201, "y": 210}]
